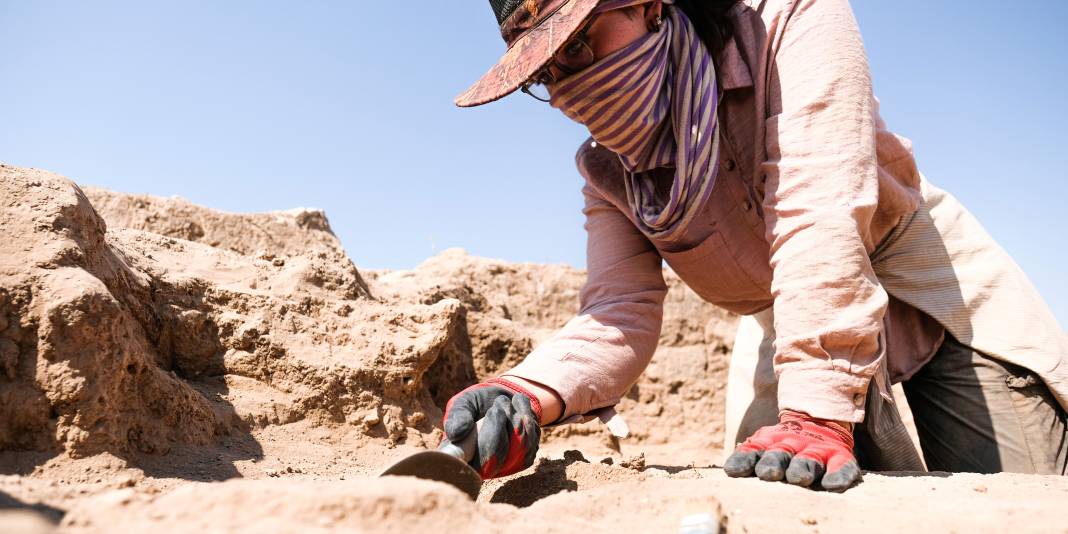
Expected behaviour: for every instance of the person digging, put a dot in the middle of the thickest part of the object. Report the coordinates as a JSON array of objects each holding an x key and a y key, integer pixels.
[{"x": 740, "y": 143}]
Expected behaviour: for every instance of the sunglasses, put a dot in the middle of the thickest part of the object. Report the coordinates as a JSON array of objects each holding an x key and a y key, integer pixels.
[{"x": 574, "y": 56}]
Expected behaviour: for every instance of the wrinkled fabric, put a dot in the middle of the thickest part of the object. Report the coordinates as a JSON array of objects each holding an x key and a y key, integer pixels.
[
  {"x": 812, "y": 186},
  {"x": 882, "y": 442},
  {"x": 980, "y": 415}
]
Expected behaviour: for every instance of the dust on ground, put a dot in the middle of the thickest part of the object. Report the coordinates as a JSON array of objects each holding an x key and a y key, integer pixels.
[{"x": 168, "y": 366}]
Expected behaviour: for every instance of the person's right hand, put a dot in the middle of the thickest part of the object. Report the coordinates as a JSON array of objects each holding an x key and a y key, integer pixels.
[{"x": 509, "y": 434}]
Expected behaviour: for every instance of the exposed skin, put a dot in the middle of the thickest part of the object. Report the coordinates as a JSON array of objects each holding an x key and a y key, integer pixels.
[{"x": 618, "y": 28}]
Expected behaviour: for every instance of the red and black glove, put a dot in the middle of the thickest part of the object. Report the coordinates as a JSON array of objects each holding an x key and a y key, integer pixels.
[
  {"x": 800, "y": 449},
  {"x": 509, "y": 435}
]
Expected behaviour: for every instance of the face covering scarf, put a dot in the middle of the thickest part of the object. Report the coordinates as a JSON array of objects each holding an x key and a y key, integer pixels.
[{"x": 653, "y": 103}]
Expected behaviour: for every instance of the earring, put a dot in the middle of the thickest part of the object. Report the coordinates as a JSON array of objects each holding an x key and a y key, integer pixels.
[{"x": 656, "y": 24}]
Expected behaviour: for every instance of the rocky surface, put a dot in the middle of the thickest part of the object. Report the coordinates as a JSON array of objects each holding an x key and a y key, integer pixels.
[
  {"x": 168, "y": 366},
  {"x": 127, "y": 341}
]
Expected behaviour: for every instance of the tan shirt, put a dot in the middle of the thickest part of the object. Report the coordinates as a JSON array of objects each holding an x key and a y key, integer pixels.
[{"x": 810, "y": 184}]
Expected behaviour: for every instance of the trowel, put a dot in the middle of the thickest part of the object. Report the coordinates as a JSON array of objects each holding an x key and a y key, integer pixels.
[{"x": 447, "y": 464}]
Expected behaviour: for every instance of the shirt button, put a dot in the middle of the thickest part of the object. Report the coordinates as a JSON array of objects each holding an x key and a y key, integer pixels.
[{"x": 729, "y": 165}]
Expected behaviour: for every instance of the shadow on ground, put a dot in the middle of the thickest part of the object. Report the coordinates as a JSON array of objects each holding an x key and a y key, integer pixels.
[
  {"x": 549, "y": 478},
  {"x": 903, "y": 474},
  {"x": 206, "y": 463},
  {"x": 213, "y": 462},
  {"x": 52, "y": 514}
]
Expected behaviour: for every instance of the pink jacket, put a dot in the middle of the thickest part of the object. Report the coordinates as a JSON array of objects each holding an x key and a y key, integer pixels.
[{"x": 810, "y": 183}]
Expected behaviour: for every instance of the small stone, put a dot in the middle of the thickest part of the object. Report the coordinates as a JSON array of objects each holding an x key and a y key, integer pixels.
[
  {"x": 705, "y": 523},
  {"x": 278, "y": 262},
  {"x": 636, "y": 463},
  {"x": 809, "y": 520},
  {"x": 416, "y": 418},
  {"x": 607, "y": 460},
  {"x": 979, "y": 488},
  {"x": 371, "y": 418},
  {"x": 571, "y": 456}
]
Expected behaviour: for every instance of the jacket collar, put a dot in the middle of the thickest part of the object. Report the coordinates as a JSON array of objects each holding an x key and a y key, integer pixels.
[
  {"x": 734, "y": 71},
  {"x": 733, "y": 63}
]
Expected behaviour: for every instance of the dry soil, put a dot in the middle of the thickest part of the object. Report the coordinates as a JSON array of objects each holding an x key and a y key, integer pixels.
[{"x": 168, "y": 367}]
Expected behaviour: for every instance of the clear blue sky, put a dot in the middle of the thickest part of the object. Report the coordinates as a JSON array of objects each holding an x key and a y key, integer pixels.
[{"x": 260, "y": 105}]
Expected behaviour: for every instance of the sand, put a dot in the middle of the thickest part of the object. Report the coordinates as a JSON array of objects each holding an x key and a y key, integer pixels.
[{"x": 172, "y": 367}]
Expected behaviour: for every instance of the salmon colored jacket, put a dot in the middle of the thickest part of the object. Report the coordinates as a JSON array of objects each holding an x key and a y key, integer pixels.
[{"x": 810, "y": 184}]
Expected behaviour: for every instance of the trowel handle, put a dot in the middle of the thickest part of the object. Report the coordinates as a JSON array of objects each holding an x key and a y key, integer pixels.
[{"x": 465, "y": 449}]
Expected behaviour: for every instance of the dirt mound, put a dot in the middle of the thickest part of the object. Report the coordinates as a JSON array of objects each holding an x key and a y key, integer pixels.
[
  {"x": 505, "y": 309},
  {"x": 149, "y": 345},
  {"x": 162, "y": 323},
  {"x": 510, "y": 307},
  {"x": 388, "y": 505},
  {"x": 571, "y": 495},
  {"x": 128, "y": 341},
  {"x": 280, "y": 233}
]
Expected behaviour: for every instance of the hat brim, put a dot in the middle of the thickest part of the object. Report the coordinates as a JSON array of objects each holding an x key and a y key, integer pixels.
[{"x": 529, "y": 53}]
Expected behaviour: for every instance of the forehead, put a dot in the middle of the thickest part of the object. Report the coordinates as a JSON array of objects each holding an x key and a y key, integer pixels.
[{"x": 614, "y": 20}]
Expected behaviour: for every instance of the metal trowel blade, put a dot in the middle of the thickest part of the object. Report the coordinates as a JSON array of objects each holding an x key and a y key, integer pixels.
[{"x": 439, "y": 466}]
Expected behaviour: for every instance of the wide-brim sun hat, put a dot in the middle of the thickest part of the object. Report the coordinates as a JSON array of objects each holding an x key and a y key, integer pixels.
[{"x": 533, "y": 30}]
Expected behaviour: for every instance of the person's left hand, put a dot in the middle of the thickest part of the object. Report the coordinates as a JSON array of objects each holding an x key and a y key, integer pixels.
[{"x": 800, "y": 449}]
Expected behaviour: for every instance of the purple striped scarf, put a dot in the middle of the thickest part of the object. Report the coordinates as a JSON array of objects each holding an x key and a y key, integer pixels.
[{"x": 653, "y": 103}]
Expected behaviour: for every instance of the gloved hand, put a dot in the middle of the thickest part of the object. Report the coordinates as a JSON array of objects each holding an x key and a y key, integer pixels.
[
  {"x": 801, "y": 449},
  {"x": 509, "y": 436}
]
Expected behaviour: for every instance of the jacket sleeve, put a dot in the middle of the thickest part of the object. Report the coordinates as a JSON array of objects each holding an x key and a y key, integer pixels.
[
  {"x": 821, "y": 192},
  {"x": 595, "y": 358}
]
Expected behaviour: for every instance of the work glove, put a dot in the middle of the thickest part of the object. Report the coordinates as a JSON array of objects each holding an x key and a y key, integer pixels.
[
  {"x": 509, "y": 434},
  {"x": 802, "y": 449}
]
